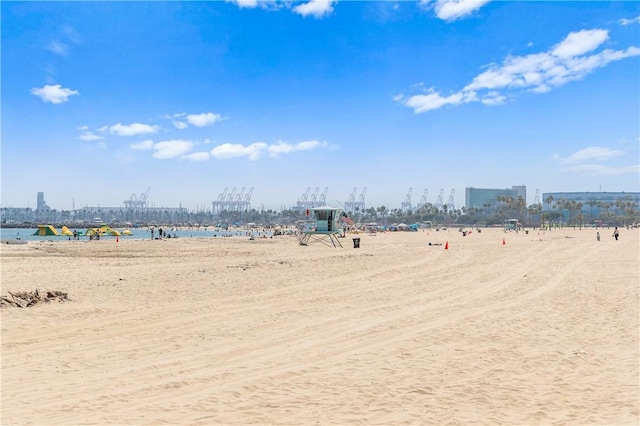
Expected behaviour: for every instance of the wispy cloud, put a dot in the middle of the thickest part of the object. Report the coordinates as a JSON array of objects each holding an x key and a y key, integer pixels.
[
  {"x": 254, "y": 150},
  {"x": 287, "y": 148},
  {"x": 228, "y": 150},
  {"x": 635, "y": 20},
  {"x": 58, "y": 48},
  {"x": 180, "y": 148},
  {"x": 451, "y": 10},
  {"x": 592, "y": 153},
  {"x": 132, "y": 129},
  {"x": 197, "y": 156},
  {"x": 571, "y": 59},
  {"x": 171, "y": 149},
  {"x": 56, "y": 94},
  {"x": 142, "y": 145},
  {"x": 583, "y": 162},
  {"x": 90, "y": 136}
]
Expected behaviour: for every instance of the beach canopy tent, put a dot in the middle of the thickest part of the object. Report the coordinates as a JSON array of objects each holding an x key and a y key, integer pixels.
[
  {"x": 327, "y": 226},
  {"x": 46, "y": 230},
  {"x": 403, "y": 227}
]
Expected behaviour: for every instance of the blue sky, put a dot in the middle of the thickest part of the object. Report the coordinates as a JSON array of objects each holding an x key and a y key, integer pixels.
[{"x": 102, "y": 100}]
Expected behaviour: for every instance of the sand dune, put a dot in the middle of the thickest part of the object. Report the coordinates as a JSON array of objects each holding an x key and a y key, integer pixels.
[{"x": 541, "y": 330}]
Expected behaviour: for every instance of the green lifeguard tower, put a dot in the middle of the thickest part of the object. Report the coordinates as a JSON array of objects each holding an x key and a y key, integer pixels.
[
  {"x": 512, "y": 225},
  {"x": 328, "y": 225}
]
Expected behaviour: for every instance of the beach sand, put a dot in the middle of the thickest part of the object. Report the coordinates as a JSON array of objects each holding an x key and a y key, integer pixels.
[{"x": 540, "y": 330}]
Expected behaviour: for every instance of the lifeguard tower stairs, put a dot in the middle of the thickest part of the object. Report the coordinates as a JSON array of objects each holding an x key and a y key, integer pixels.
[{"x": 327, "y": 228}]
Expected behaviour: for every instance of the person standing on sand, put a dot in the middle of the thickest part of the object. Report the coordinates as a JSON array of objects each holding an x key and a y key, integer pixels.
[
  {"x": 598, "y": 236},
  {"x": 616, "y": 233}
]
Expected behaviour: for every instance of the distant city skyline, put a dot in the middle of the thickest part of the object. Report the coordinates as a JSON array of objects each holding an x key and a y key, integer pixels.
[
  {"x": 104, "y": 99},
  {"x": 470, "y": 193}
]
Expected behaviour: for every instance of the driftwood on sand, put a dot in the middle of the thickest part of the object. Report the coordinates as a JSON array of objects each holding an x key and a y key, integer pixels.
[{"x": 25, "y": 299}]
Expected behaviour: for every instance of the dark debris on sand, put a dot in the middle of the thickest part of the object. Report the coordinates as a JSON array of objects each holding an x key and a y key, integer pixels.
[{"x": 25, "y": 299}]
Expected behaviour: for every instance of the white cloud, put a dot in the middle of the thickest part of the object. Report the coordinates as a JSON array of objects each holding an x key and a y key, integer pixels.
[
  {"x": 132, "y": 129},
  {"x": 55, "y": 94},
  {"x": 254, "y": 150},
  {"x": 181, "y": 149},
  {"x": 493, "y": 98},
  {"x": 592, "y": 153},
  {"x": 228, "y": 150},
  {"x": 263, "y": 4},
  {"x": 451, "y": 10},
  {"x": 143, "y": 145},
  {"x": 431, "y": 101},
  {"x": 286, "y": 148},
  {"x": 90, "y": 136},
  {"x": 180, "y": 125},
  {"x": 580, "y": 42},
  {"x": 204, "y": 119},
  {"x": 170, "y": 116},
  {"x": 197, "y": 156},
  {"x": 599, "y": 169},
  {"x": 598, "y": 154},
  {"x": 58, "y": 48},
  {"x": 434, "y": 100},
  {"x": 244, "y": 3},
  {"x": 635, "y": 20},
  {"x": 171, "y": 149},
  {"x": 315, "y": 8},
  {"x": 571, "y": 59}
]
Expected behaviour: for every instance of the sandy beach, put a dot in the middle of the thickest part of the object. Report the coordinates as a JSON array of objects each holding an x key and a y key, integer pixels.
[{"x": 542, "y": 329}]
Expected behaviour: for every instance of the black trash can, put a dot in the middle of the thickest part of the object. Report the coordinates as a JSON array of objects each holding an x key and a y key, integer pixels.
[{"x": 356, "y": 243}]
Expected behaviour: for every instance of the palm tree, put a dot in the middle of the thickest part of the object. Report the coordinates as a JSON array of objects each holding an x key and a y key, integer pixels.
[{"x": 549, "y": 200}]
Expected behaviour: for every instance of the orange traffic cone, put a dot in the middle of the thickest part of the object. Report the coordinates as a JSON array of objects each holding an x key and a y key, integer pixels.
[
  {"x": 503, "y": 242},
  {"x": 446, "y": 245}
]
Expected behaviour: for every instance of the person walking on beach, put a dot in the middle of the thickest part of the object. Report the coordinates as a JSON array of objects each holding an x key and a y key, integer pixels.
[
  {"x": 616, "y": 233},
  {"x": 598, "y": 236},
  {"x": 152, "y": 232}
]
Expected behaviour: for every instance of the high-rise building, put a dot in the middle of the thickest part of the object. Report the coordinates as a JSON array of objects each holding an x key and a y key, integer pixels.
[
  {"x": 487, "y": 198},
  {"x": 41, "y": 205}
]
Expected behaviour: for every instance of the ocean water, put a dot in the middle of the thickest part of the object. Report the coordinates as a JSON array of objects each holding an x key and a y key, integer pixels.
[{"x": 26, "y": 234}]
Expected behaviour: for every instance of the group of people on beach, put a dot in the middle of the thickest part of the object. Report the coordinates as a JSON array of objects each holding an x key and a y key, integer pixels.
[{"x": 161, "y": 234}]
